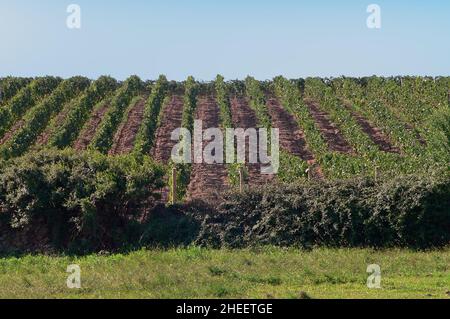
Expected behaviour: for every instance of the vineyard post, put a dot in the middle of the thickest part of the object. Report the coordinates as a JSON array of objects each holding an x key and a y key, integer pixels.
[
  {"x": 174, "y": 185},
  {"x": 241, "y": 179},
  {"x": 375, "y": 173}
]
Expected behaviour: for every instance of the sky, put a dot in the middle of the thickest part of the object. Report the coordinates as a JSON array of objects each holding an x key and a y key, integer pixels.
[{"x": 234, "y": 38}]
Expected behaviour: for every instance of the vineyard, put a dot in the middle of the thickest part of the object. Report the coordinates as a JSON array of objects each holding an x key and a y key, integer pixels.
[{"x": 329, "y": 129}]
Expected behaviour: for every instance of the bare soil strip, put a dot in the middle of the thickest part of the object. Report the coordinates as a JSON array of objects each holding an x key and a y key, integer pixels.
[
  {"x": 335, "y": 140},
  {"x": 16, "y": 127},
  {"x": 87, "y": 134},
  {"x": 124, "y": 138},
  {"x": 375, "y": 134},
  {"x": 46, "y": 134},
  {"x": 161, "y": 150},
  {"x": 414, "y": 131},
  {"x": 244, "y": 117},
  {"x": 171, "y": 119},
  {"x": 207, "y": 180},
  {"x": 292, "y": 138}
]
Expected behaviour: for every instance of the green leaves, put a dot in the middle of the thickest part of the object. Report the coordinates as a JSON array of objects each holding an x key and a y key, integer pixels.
[
  {"x": 105, "y": 133},
  {"x": 153, "y": 107},
  {"x": 36, "y": 120}
]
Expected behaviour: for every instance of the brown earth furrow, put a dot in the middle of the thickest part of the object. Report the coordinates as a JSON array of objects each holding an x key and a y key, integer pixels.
[
  {"x": 292, "y": 138},
  {"x": 374, "y": 133},
  {"x": 46, "y": 134},
  {"x": 124, "y": 138},
  {"x": 336, "y": 142},
  {"x": 243, "y": 116},
  {"x": 171, "y": 119},
  {"x": 162, "y": 148},
  {"x": 87, "y": 134},
  {"x": 207, "y": 180},
  {"x": 16, "y": 127}
]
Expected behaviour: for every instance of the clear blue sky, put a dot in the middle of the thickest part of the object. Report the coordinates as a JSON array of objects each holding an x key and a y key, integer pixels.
[{"x": 234, "y": 38}]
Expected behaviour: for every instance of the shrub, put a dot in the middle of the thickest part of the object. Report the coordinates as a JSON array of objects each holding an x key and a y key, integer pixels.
[
  {"x": 405, "y": 211},
  {"x": 87, "y": 200}
]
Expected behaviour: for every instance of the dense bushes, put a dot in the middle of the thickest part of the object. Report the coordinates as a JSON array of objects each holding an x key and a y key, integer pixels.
[
  {"x": 86, "y": 200},
  {"x": 405, "y": 211},
  {"x": 90, "y": 202}
]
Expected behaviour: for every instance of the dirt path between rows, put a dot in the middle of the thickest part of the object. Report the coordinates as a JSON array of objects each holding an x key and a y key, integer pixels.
[
  {"x": 207, "y": 180},
  {"x": 126, "y": 134},
  {"x": 244, "y": 117},
  {"x": 374, "y": 133},
  {"x": 87, "y": 134},
  {"x": 171, "y": 119},
  {"x": 162, "y": 148},
  {"x": 292, "y": 138},
  {"x": 334, "y": 138},
  {"x": 49, "y": 130},
  {"x": 15, "y": 128}
]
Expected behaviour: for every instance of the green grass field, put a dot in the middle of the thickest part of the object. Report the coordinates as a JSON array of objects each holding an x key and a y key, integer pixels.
[{"x": 257, "y": 273}]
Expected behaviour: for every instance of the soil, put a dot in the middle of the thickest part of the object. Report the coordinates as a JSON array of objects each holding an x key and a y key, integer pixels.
[
  {"x": 124, "y": 138},
  {"x": 87, "y": 134},
  {"x": 375, "y": 134},
  {"x": 292, "y": 138},
  {"x": 16, "y": 127},
  {"x": 207, "y": 180},
  {"x": 334, "y": 138},
  {"x": 171, "y": 119},
  {"x": 161, "y": 150},
  {"x": 243, "y": 116}
]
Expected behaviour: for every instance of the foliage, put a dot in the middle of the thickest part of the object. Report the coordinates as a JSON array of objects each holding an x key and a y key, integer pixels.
[
  {"x": 37, "y": 119},
  {"x": 10, "y": 86},
  {"x": 103, "y": 138},
  {"x": 87, "y": 199},
  {"x": 404, "y": 211},
  {"x": 78, "y": 111},
  {"x": 27, "y": 97},
  {"x": 153, "y": 107}
]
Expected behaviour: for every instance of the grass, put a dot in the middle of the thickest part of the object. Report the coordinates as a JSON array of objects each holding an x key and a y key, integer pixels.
[{"x": 253, "y": 273}]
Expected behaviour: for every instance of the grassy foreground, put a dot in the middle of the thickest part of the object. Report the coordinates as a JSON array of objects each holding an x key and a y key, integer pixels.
[{"x": 257, "y": 273}]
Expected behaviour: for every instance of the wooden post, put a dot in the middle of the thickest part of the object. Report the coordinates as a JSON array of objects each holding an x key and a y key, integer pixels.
[
  {"x": 174, "y": 185},
  {"x": 241, "y": 180},
  {"x": 375, "y": 173}
]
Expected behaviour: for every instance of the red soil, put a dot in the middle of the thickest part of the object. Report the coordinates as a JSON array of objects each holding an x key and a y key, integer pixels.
[
  {"x": 336, "y": 142},
  {"x": 292, "y": 138},
  {"x": 124, "y": 138},
  {"x": 88, "y": 132},
  {"x": 46, "y": 134},
  {"x": 244, "y": 117},
  {"x": 161, "y": 151},
  {"x": 17, "y": 126},
  {"x": 375, "y": 134},
  {"x": 207, "y": 180},
  {"x": 171, "y": 119}
]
